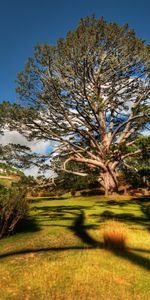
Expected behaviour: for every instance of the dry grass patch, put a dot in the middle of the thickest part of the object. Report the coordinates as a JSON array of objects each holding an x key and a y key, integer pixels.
[{"x": 115, "y": 235}]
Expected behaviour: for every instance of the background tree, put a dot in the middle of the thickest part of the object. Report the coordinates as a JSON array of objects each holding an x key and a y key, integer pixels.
[
  {"x": 89, "y": 94},
  {"x": 137, "y": 169},
  {"x": 65, "y": 182}
]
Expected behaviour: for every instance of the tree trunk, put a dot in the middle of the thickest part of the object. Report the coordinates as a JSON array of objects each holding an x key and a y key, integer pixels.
[{"x": 109, "y": 182}]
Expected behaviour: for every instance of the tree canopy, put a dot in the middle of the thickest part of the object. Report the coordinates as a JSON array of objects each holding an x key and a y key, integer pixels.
[{"x": 89, "y": 94}]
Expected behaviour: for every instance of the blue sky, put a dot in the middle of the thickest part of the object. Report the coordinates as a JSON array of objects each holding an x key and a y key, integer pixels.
[{"x": 23, "y": 23}]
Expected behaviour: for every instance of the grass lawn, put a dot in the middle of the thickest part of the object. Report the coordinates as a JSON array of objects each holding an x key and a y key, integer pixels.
[{"x": 59, "y": 252}]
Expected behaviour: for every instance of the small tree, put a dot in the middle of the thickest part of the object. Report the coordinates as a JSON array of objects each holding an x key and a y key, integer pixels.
[
  {"x": 13, "y": 208},
  {"x": 89, "y": 94}
]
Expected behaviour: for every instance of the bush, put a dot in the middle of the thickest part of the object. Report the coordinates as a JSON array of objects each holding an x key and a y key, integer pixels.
[
  {"x": 115, "y": 236},
  {"x": 13, "y": 208}
]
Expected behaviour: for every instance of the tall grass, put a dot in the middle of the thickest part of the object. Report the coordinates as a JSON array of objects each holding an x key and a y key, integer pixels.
[{"x": 115, "y": 235}]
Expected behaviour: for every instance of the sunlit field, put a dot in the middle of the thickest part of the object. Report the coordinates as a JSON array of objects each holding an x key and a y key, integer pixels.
[{"x": 59, "y": 252}]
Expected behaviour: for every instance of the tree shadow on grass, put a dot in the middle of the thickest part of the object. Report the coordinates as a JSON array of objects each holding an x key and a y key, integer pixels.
[
  {"x": 68, "y": 213},
  {"x": 135, "y": 258},
  {"x": 125, "y": 217},
  {"x": 57, "y": 213},
  {"x": 80, "y": 230},
  {"x": 142, "y": 203},
  {"x": 29, "y": 224},
  {"x": 38, "y": 200}
]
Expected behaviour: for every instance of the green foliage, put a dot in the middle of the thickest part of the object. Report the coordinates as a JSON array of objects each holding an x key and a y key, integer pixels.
[
  {"x": 67, "y": 181},
  {"x": 13, "y": 208},
  {"x": 26, "y": 182},
  {"x": 136, "y": 169},
  {"x": 143, "y": 143},
  {"x": 6, "y": 170}
]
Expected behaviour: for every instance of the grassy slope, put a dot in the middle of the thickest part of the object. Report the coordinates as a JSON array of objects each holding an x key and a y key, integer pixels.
[
  {"x": 61, "y": 255},
  {"x": 7, "y": 180}
]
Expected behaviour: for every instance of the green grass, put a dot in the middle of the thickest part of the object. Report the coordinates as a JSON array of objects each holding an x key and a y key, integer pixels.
[
  {"x": 5, "y": 182},
  {"x": 60, "y": 254}
]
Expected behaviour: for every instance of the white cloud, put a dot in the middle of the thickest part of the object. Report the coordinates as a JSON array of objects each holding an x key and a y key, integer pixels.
[
  {"x": 146, "y": 132},
  {"x": 34, "y": 172},
  {"x": 16, "y": 138},
  {"x": 40, "y": 147}
]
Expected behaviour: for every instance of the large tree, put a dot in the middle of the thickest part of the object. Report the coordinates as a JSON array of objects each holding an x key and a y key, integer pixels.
[{"x": 88, "y": 93}]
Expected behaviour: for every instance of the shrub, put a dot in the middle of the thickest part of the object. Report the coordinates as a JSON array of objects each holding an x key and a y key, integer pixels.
[
  {"x": 13, "y": 208},
  {"x": 115, "y": 235}
]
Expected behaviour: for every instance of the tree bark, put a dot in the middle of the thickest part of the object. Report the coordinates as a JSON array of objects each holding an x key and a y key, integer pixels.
[{"x": 109, "y": 182}]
